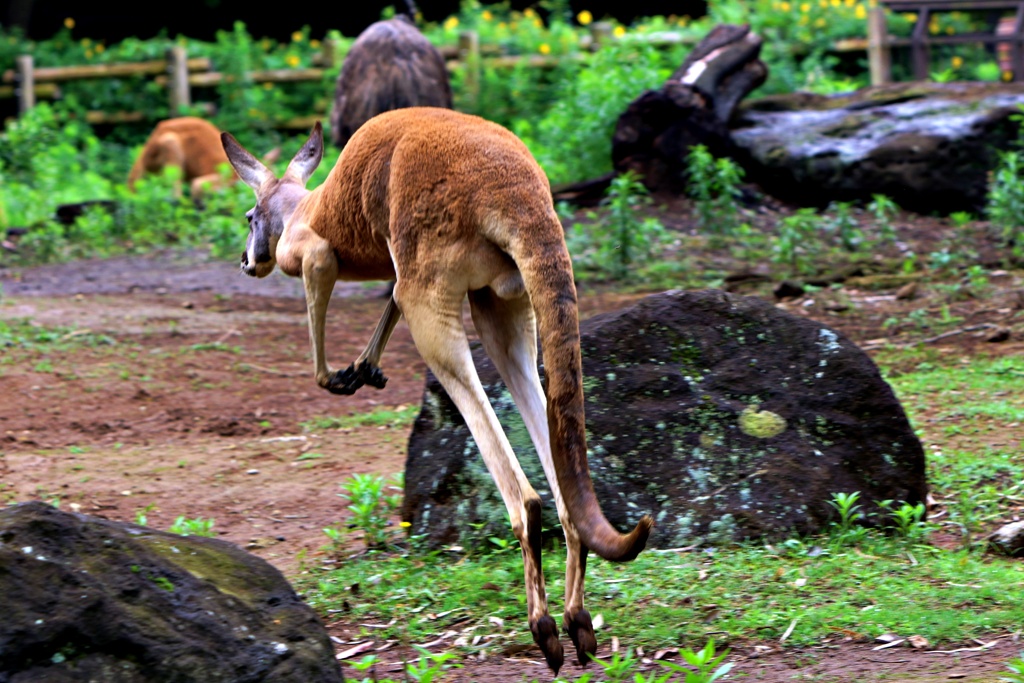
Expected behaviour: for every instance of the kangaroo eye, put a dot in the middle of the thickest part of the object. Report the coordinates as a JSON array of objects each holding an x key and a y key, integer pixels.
[{"x": 248, "y": 215}]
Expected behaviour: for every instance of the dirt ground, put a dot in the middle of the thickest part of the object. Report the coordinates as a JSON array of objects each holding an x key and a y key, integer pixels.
[{"x": 197, "y": 409}]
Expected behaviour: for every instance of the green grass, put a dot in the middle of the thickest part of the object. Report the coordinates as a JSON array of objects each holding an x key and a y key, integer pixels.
[
  {"x": 820, "y": 586},
  {"x": 23, "y": 334},
  {"x": 380, "y": 417}
]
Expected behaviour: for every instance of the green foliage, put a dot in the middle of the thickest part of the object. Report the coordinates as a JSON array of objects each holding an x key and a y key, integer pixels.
[
  {"x": 846, "y": 531},
  {"x": 371, "y": 507},
  {"x": 713, "y": 183},
  {"x": 797, "y": 240},
  {"x": 402, "y": 416},
  {"x": 618, "y": 242},
  {"x": 1006, "y": 200},
  {"x": 193, "y": 527},
  {"x": 1016, "y": 667}
]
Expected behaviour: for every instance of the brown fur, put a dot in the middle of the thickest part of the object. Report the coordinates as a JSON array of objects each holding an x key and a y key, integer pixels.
[
  {"x": 193, "y": 145},
  {"x": 391, "y": 65},
  {"x": 452, "y": 205}
]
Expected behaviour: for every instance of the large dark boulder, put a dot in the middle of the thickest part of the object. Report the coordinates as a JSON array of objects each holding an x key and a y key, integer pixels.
[
  {"x": 88, "y": 599},
  {"x": 723, "y": 416},
  {"x": 929, "y": 146}
]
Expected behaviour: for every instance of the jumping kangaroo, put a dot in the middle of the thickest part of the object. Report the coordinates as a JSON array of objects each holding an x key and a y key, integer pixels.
[{"x": 450, "y": 205}]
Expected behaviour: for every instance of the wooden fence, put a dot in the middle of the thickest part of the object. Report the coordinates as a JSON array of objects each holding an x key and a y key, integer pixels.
[{"x": 179, "y": 73}]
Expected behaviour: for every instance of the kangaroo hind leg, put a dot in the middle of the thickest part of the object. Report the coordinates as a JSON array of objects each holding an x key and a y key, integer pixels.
[
  {"x": 508, "y": 329},
  {"x": 435, "y": 321}
]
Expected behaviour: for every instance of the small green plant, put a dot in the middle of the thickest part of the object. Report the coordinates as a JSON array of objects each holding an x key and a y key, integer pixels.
[
  {"x": 714, "y": 186},
  {"x": 337, "y": 537},
  {"x": 846, "y": 531},
  {"x": 1006, "y": 200},
  {"x": 709, "y": 665},
  {"x": 840, "y": 220},
  {"x": 371, "y": 508},
  {"x": 1016, "y": 667},
  {"x": 193, "y": 527},
  {"x": 618, "y": 241},
  {"x": 883, "y": 210},
  {"x": 961, "y": 219},
  {"x": 365, "y": 664},
  {"x": 140, "y": 515},
  {"x": 797, "y": 239},
  {"x": 908, "y": 520},
  {"x": 430, "y": 665},
  {"x": 619, "y": 666}
]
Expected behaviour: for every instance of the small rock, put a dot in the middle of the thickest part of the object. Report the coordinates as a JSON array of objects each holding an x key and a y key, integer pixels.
[
  {"x": 918, "y": 641},
  {"x": 1008, "y": 538},
  {"x": 1000, "y": 334},
  {"x": 252, "y": 472},
  {"x": 787, "y": 289},
  {"x": 188, "y": 305}
]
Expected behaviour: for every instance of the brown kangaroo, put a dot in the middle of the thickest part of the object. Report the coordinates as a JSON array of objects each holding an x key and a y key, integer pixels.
[
  {"x": 450, "y": 205},
  {"x": 193, "y": 145}
]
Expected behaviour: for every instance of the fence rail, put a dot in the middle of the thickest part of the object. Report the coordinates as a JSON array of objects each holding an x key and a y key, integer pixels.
[{"x": 179, "y": 73}]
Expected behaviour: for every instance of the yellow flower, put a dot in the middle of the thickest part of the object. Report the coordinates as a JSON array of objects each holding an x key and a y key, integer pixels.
[
  {"x": 537, "y": 23},
  {"x": 836, "y": 3},
  {"x": 486, "y": 15},
  {"x": 69, "y": 23},
  {"x": 950, "y": 30},
  {"x": 910, "y": 16},
  {"x": 957, "y": 61},
  {"x": 823, "y": 4},
  {"x": 405, "y": 524},
  {"x": 1007, "y": 76},
  {"x": 804, "y": 20},
  {"x": 314, "y": 44},
  {"x": 529, "y": 12},
  {"x": 265, "y": 43},
  {"x": 933, "y": 26},
  {"x": 785, "y": 6},
  {"x": 86, "y": 42},
  {"x": 88, "y": 55},
  {"x": 292, "y": 60},
  {"x": 544, "y": 49},
  {"x": 849, "y": 3},
  {"x": 297, "y": 37},
  {"x": 820, "y": 22},
  {"x": 100, "y": 48},
  {"x": 619, "y": 31},
  {"x": 584, "y": 17},
  {"x": 805, "y": 7},
  {"x": 684, "y": 20},
  {"x": 451, "y": 22},
  {"x": 502, "y": 26},
  {"x": 860, "y": 12}
]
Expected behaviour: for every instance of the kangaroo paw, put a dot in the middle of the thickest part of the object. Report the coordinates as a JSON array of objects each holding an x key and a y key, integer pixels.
[
  {"x": 345, "y": 381},
  {"x": 372, "y": 375},
  {"x": 581, "y": 630},
  {"x": 545, "y": 634}
]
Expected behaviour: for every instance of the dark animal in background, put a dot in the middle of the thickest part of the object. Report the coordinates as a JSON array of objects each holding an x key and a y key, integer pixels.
[{"x": 391, "y": 65}]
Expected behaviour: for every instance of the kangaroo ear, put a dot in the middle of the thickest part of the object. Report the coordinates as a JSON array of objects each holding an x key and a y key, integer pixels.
[
  {"x": 250, "y": 169},
  {"x": 305, "y": 162}
]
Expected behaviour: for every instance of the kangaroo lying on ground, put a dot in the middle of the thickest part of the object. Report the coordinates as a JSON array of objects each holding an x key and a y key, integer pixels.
[
  {"x": 451, "y": 205},
  {"x": 193, "y": 145}
]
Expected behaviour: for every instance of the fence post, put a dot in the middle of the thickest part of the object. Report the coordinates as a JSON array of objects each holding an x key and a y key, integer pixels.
[
  {"x": 177, "y": 83},
  {"x": 26, "y": 84},
  {"x": 879, "y": 53},
  {"x": 600, "y": 34},
  {"x": 329, "y": 55},
  {"x": 469, "y": 54}
]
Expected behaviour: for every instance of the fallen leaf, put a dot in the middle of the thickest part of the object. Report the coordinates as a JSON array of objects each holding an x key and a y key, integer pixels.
[
  {"x": 918, "y": 641},
  {"x": 355, "y": 650},
  {"x": 887, "y": 638},
  {"x": 615, "y": 644},
  {"x": 662, "y": 654},
  {"x": 496, "y": 621},
  {"x": 598, "y": 622}
]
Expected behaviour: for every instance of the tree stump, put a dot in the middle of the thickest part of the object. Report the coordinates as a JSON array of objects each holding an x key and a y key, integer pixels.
[{"x": 655, "y": 133}]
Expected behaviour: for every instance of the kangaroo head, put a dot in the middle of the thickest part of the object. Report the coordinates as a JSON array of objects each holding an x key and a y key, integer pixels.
[{"x": 276, "y": 198}]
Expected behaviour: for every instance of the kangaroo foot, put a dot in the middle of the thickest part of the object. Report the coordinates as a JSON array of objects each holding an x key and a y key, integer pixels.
[
  {"x": 347, "y": 381},
  {"x": 581, "y": 630},
  {"x": 545, "y": 634}
]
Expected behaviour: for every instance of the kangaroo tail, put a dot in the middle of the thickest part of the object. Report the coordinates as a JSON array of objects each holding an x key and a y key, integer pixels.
[{"x": 547, "y": 272}]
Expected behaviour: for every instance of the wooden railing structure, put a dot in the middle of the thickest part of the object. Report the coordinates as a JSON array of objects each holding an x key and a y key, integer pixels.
[{"x": 179, "y": 73}]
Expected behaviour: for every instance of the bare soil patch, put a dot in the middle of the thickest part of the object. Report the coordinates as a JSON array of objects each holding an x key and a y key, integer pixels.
[{"x": 197, "y": 410}]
